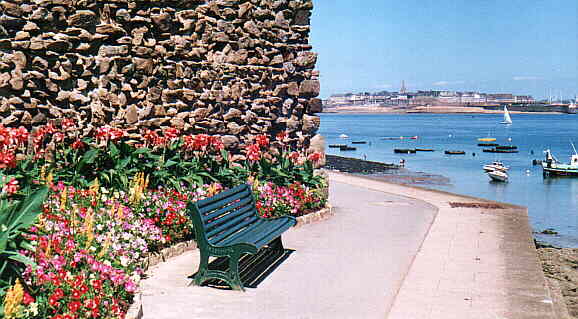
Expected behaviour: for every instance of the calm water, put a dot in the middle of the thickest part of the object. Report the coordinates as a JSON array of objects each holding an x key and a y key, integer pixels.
[{"x": 552, "y": 202}]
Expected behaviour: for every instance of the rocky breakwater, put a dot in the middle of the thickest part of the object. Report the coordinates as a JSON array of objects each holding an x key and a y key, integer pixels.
[{"x": 224, "y": 67}]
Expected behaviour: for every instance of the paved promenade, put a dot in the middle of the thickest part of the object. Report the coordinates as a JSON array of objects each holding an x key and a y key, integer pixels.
[{"x": 389, "y": 252}]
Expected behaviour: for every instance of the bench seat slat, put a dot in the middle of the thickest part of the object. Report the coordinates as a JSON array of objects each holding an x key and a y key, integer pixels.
[
  {"x": 257, "y": 232},
  {"x": 220, "y": 216}
]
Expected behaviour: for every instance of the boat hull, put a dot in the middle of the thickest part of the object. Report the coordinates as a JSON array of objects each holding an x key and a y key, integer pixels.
[
  {"x": 560, "y": 172},
  {"x": 498, "y": 176}
]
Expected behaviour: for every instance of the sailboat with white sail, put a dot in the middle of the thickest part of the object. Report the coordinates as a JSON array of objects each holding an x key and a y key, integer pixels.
[{"x": 507, "y": 117}]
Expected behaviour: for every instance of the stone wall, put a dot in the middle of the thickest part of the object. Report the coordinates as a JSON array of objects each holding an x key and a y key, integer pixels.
[{"x": 233, "y": 68}]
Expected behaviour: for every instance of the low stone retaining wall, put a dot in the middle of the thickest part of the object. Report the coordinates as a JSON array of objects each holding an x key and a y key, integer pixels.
[{"x": 135, "y": 311}]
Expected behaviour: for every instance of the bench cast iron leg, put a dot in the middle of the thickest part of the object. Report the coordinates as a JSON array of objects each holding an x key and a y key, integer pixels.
[
  {"x": 200, "y": 277},
  {"x": 235, "y": 280}
]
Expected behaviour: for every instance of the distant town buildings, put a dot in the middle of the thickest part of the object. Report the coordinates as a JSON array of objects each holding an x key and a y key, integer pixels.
[{"x": 432, "y": 98}]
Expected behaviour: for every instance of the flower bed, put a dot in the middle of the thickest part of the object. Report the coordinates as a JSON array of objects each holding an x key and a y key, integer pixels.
[{"x": 78, "y": 247}]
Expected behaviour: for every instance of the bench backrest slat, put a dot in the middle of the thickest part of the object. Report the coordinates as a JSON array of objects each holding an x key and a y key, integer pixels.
[
  {"x": 202, "y": 204},
  {"x": 233, "y": 218},
  {"x": 212, "y": 217},
  {"x": 231, "y": 231},
  {"x": 224, "y": 214}
]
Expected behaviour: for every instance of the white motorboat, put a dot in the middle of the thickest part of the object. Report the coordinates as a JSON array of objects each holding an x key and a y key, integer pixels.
[
  {"x": 496, "y": 166},
  {"x": 343, "y": 136},
  {"x": 498, "y": 176}
]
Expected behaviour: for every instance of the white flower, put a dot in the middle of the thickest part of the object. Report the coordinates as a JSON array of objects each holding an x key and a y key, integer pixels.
[{"x": 124, "y": 261}]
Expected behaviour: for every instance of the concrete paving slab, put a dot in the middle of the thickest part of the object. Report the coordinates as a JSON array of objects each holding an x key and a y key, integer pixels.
[
  {"x": 349, "y": 266},
  {"x": 475, "y": 262}
]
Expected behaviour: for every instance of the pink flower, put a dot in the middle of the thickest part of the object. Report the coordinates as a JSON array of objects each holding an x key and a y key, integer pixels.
[{"x": 11, "y": 187}]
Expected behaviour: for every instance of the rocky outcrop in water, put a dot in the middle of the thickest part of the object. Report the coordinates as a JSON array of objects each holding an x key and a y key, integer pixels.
[{"x": 228, "y": 67}]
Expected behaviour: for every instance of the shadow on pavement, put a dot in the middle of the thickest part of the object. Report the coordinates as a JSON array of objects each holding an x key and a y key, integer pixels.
[{"x": 253, "y": 269}]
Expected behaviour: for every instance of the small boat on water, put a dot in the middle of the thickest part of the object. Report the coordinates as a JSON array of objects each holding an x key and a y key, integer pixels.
[
  {"x": 404, "y": 150},
  {"x": 358, "y": 142},
  {"x": 487, "y": 139},
  {"x": 401, "y": 138},
  {"x": 424, "y": 150},
  {"x": 488, "y": 144},
  {"x": 343, "y": 136},
  {"x": 498, "y": 176},
  {"x": 496, "y": 166},
  {"x": 347, "y": 148},
  {"x": 455, "y": 152},
  {"x": 506, "y": 147},
  {"x": 336, "y": 145},
  {"x": 493, "y": 150},
  {"x": 551, "y": 166},
  {"x": 507, "y": 118}
]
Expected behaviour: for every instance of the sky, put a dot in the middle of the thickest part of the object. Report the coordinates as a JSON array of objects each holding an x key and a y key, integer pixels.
[{"x": 524, "y": 47}]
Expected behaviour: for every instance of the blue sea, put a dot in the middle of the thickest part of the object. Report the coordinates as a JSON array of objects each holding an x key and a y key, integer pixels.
[{"x": 552, "y": 202}]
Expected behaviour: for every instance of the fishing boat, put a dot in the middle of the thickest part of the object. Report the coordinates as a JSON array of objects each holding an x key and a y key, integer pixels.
[
  {"x": 507, "y": 118},
  {"x": 401, "y": 138},
  {"x": 506, "y": 147},
  {"x": 498, "y": 176},
  {"x": 404, "y": 151},
  {"x": 551, "y": 166},
  {"x": 487, "y": 139},
  {"x": 337, "y": 145},
  {"x": 455, "y": 152},
  {"x": 493, "y": 150},
  {"x": 488, "y": 144},
  {"x": 358, "y": 142},
  {"x": 496, "y": 166}
]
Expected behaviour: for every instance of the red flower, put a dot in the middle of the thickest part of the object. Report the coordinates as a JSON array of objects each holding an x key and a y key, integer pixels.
[
  {"x": 53, "y": 301},
  {"x": 281, "y": 136},
  {"x": 27, "y": 299},
  {"x": 76, "y": 294},
  {"x": 58, "y": 137},
  {"x": 73, "y": 306},
  {"x": 78, "y": 144},
  {"x": 67, "y": 123},
  {"x": 97, "y": 284},
  {"x": 7, "y": 159},
  {"x": 171, "y": 133},
  {"x": 294, "y": 156},
  {"x": 217, "y": 143},
  {"x": 315, "y": 157},
  {"x": 83, "y": 289},
  {"x": 91, "y": 304},
  {"x": 253, "y": 152},
  {"x": 201, "y": 141},
  {"x": 262, "y": 140}
]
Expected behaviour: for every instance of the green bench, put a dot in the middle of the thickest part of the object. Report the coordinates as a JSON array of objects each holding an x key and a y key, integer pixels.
[{"x": 228, "y": 225}]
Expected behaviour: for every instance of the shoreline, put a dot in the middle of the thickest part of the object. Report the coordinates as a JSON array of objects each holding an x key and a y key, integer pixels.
[{"x": 421, "y": 110}]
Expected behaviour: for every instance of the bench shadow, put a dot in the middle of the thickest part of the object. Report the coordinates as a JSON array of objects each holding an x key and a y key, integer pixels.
[{"x": 253, "y": 269}]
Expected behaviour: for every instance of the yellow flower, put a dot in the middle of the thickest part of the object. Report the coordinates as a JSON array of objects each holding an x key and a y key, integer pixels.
[
  {"x": 63, "y": 198},
  {"x": 120, "y": 212},
  {"x": 13, "y": 299},
  {"x": 49, "y": 178},
  {"x": 88, "y": 227},
  {"x": 95, "y": 187}
]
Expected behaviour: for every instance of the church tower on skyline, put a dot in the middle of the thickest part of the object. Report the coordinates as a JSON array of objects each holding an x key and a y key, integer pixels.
[{"x": 402, "y": 90}]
